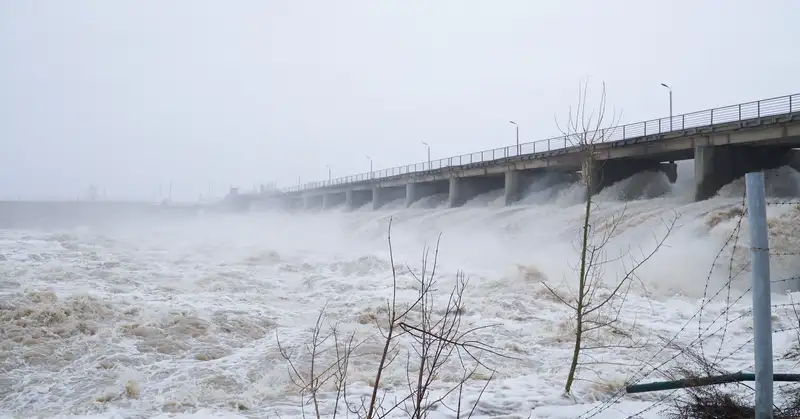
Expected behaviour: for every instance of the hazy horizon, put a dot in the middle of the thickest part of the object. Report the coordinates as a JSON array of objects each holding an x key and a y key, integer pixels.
[{"x": 131, "y": 96}]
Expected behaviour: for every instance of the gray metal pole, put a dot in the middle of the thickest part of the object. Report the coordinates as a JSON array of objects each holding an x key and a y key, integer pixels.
[
  {"x": 517, "y": 139},
  {"x": 762, "y": 301},
  {"x": 670, "y": 109}
]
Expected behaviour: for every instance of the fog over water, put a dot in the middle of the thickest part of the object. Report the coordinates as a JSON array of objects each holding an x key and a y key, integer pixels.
[
  {"x": 115, "y": 306},
  {"x": 160, "y": 315}
]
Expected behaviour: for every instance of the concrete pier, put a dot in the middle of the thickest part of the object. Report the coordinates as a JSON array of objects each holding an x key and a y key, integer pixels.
[
  {"x": 512, "y": 188},
  {"x": 716, "y": 166},
  {"x": 357, "y": 198},
  {"x": 312, "y": 202},
  {"x": 608, "y": 172},
  {"x": 418, "y": 190},
  {"x": 411, "y": 194},
  {"x": 454, "y": 198},
  {"x": 723, "y": 147},
  {"x": 382, "y": 195},
  {"x": 793, "y": 159},
  {"x": 331, "y": 200},
  {"x": 462, "y": 189}
]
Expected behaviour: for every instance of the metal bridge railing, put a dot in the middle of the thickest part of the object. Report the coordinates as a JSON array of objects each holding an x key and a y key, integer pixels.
[{"x": 726, "y": 114}]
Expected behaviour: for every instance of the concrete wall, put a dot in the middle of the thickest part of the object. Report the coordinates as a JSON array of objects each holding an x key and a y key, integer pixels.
[
  {"x": 312, "y": 202},
  {"x": 512, "y": 189},
  {"x": 331, "y": 200},
  {"x": 418, "y": 190},
  {"x": 357, "y": 198},
  {"x": 462, "y": 189},
  {"x": 608, "y": 172},
  {"x": 716, "y": 166},
  {"x": 768, "y": 131},
  {"x": 383, "y": 195},
  {"x": 792, "y": 159}
]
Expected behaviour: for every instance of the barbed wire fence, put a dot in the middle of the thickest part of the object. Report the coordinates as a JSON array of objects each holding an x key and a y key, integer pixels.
[{"x": 713, "y": 351}]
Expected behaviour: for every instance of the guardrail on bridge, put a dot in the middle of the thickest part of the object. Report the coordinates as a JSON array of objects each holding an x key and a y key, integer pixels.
[{"x": 726, "y": 114}]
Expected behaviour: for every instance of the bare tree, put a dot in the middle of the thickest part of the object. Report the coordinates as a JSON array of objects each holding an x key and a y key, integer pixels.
[
  {"x": 595, "y": 310},
  {"x": 430, "y": 339}
]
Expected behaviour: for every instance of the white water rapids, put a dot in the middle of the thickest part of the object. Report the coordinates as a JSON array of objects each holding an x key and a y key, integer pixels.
[{"x": 177, "y": 317}]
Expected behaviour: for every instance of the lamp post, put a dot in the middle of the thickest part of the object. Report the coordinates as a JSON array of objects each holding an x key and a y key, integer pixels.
[
  {"x": 370, "y": 166},
  {"x": 670, "y": 105},
  {"x": 329, "y": 174},
  {"x": 517, "y": 127},
  {"x": 429, "y": 154}
]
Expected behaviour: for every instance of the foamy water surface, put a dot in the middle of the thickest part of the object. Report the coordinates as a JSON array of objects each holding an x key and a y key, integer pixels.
[{"x": 179, "y": 317}]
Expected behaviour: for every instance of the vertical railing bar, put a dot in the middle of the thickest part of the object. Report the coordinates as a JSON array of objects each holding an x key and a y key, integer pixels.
[{"x": 776, "y": 109}]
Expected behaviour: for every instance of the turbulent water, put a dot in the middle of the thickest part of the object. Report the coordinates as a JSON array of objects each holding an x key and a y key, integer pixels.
[{"x": 178, "y": 316}]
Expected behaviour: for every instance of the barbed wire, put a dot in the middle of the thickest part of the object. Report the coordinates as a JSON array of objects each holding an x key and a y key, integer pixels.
[
  {"x": 732, "y": 242},
  {"x": 793, "y": 278},
  {"x": 790, "y": 202},
  {"x": 733, "y": 237}
]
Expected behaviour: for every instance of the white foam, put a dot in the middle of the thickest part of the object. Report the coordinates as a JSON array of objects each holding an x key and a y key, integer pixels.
[{"x": 179, "y": 318}]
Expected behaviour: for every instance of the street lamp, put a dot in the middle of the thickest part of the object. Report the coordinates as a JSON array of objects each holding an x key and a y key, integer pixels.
[
  {"x": 370, "y": 166},
  {"x": 670, "y": 105},
  {"x": 517, "y": 126},
  {"x": 329, "y": 173},
  {"x": 429, "y": 154}
]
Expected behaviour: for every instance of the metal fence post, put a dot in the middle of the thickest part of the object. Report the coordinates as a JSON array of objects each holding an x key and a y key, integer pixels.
[{"x": 762, "y": 302}]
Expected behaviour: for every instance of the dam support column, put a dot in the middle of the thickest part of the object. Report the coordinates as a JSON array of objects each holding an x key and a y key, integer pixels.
[
  {"x": 604, "y": 173},
  {"x": 462, "y": 189},
  {"x": 717, "y": 166},
  {"x": 411, "y": 194},
  {"x": 590, "y": 176},
  {"x": 376, "y": 197},
  {"x": 312, "y": 202},
  {"x": 330, "y": 200},
  {"x": 454, "y": 198},
  {"x": 793, "y": 159},
  {"x": 356, "y": 198},
  {"x": 511, "y": 190},
  {"x": 382, "y": 195},
  {"x": 710, "y": 171}
]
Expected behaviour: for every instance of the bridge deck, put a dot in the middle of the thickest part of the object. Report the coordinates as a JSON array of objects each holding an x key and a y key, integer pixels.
[{"x": 652, "y": 139}]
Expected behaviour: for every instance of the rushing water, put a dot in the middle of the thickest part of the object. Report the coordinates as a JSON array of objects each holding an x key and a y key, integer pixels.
[{"x": 155, "y": 316}]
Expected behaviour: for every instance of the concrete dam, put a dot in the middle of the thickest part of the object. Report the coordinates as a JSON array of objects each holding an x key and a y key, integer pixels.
[{"x": 725, "y": 143}]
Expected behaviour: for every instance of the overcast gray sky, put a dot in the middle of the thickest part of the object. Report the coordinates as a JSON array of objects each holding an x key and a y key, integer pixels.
[{"x": 131, "y": 95}]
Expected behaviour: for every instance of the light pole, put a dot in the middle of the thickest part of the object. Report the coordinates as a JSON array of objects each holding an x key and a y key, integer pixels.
[
  {"x": 429, "y": 154},
  {"x": 517, "y": 127},
  {"x": 329, "y": 174},
  {"x": 370, "y": 166},
  {"x": 670, "y": 105}
]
